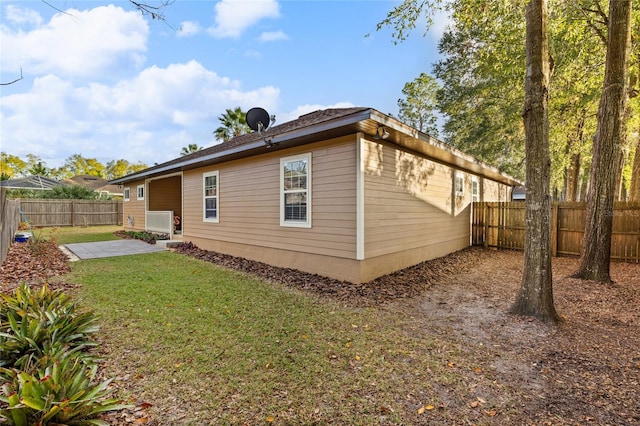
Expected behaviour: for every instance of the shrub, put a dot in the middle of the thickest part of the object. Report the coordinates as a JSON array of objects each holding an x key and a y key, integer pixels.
[
  {"x": 47, "y": 370},
  {"x": 58, "y": 391},
  {"x": 37, "y": 323}
]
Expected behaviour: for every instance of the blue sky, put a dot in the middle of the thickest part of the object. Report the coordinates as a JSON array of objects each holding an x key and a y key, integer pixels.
[{"x": 102, "y": 81}]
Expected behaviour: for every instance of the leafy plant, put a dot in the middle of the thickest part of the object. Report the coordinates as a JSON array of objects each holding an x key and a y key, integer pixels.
[
  {"x": 47, "y": 372},
  {"x": 40, "y": 322},
  {"x": 148, "y": 237},
  {"x": 60, "y": 391}
]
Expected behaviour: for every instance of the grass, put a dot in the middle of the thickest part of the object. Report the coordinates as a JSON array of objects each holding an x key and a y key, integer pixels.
[
  {"x": 206, "y": 345},
  {"x": 78, "y": 234}
]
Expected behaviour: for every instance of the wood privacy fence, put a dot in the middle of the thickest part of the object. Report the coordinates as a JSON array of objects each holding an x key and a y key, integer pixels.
[
  {"x": 9, "y": 221},
  {"x": 502, "y": 225},
  {"x": 43, "y": 212}
]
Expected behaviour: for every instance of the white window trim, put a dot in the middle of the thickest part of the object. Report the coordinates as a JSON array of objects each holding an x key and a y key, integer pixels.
[
  {"x": 126, "y": 193},
  {"x": 458, "y": 175},
  {"x": 216, "y": 219},
  {"x": 138, "y": 197},
  {"x": 292, "y": 223}
]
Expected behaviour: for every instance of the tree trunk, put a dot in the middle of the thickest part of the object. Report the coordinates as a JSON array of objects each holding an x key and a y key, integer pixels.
[
  {"x": 596, "y": 245},
  {"x": 634, "y": 192},
  {"x": 535, "y": 296}
]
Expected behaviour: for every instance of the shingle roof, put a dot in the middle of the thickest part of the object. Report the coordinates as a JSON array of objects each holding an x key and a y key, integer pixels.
[
  {"x": 31, "y": 182},
  {"x": 306, "y": 120}
]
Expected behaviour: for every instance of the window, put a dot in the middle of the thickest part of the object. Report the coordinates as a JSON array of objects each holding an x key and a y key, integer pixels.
[
  {"x": 459, "y": 184},
  {"x": 210, "y": 197},
  {"x": 295, "y": 194},
  {"x": 140, "y": 192},
  {"x": 127, "y": 193},
  {"x": 475, "y": 189}
]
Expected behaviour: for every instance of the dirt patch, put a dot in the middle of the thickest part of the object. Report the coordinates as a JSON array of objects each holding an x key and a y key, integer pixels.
[{"x": 586, "y": 370}]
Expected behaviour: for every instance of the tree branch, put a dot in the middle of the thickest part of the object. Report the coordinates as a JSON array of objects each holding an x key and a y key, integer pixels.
[{"x": 14, "y": 81}]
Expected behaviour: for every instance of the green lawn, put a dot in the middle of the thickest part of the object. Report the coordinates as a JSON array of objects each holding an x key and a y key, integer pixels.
[
  {"x": 78, "y": 234},
  {"x": 206, "y": 345}
]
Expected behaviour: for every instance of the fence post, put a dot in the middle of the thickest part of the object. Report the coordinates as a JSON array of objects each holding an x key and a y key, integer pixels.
[{"x": 554, "y": 229}]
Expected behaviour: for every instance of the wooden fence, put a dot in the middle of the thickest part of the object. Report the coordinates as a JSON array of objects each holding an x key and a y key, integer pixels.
[
  {"x": 43, "y": 212},
  {"x": 502, "y": 225},
  {"x": 9, "y": 221}
]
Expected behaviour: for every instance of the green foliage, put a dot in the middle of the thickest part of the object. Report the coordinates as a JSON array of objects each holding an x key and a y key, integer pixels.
[
  {"x": 48, "y": 375},
  {"x": 189, "y": 149},
  {"x": 233, "y": 124},
  {"x": 72, "y": 192},
  {"x": 149, "y": 237},
  {"x": 119, "y": 168},
  {"x": 419, "y": 106},
  {"x": 59, "y": 391},
  {"x": 38, "y": 323},
  {"x": 11, "y": 166}
]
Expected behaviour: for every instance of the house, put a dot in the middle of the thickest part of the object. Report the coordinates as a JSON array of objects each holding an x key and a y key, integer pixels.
[
  {"x": 347, "y": 193},
  {"x": 518, "y": 193},
  {"x": 98, "y": 184},
  {"x": 35, "y": 182}
]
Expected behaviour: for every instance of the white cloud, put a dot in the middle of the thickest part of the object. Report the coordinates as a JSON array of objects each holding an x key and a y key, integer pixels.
[
  {"x": 273, "y": 36},
  {"x": 233, "y": 17},
  {"x": 78, "y": 43},
  {"x": 188, "y": 29},
  {"x": 147, "y": 118},
  {"x": 21, "y": 16}
]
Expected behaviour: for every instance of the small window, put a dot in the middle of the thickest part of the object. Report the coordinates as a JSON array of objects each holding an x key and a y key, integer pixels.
[
  {"x": 140, "y": 192},
  {"x": 295, "y": 193},
  {"x": 459, "y": 184},
  {"x": 475, "y": 189},
  {"x": 127, "y": 193},
  {"x": 210, "y": 197}
]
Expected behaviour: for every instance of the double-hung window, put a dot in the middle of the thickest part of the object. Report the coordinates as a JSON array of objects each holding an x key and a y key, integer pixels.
[
  {"x": 295, "y": 191},
  {"x": 211, "y": 184},
  {"x": 475, "y": 189},
  {"x": 140, "y": 193},
  {"x": 459, "y": 184},
  {"x": 127, "y": 193}
]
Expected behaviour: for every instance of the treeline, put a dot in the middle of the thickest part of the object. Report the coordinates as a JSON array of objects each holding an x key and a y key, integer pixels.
[
  {"x": 12, "y": 167},
  {"x": 481, "y": 75}
]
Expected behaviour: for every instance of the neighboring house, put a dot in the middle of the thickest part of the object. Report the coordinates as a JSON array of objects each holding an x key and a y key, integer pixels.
[
  {"x": 38, "y": 183},
  {"x": 96, "y": 183},
  {"x": 518, "y": 193},
  {"x": 348, "y": 193}
]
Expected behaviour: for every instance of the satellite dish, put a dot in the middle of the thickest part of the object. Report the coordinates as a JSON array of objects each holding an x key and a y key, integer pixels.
[{"x": 258, "y": 119}]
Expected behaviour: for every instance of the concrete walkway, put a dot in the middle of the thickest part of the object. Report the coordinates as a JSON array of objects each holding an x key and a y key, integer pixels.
[{"x": 81, "y": 251}]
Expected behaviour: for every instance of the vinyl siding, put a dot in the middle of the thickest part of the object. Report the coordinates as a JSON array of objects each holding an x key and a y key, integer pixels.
[
  {"x": 134, "y": 208},
  {"x": 249, "y": 202},
  {"x": 410, "y": 204}
]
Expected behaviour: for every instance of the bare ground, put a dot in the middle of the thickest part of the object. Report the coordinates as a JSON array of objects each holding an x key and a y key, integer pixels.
[{"x": 585, "y": 370}]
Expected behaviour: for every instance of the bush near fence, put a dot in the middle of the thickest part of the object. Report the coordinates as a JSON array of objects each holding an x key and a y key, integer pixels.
[
  {"x": 63, "y": 212},
  {"x": 502, "y": 225}
]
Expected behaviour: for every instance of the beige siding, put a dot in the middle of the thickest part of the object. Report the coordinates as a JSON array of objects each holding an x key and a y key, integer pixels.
[
  {"x": 410, "y": 205},
  {"x": 134, "y": 209},
  {"x": 249, "y": 202},
  {"x": 494, "y": 191}
]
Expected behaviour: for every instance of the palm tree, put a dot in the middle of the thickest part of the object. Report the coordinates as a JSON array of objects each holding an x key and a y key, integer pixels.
[
  {"x": 189, "y": 149},
  {"x": 233, "y": 124}
]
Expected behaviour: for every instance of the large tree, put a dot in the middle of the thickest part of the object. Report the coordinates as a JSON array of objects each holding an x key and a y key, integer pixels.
[
  {"x": 418, "y": 108},
  {"x": 607, "y": 147},
  {"x": 535, "y": 296},
  {"x": 232, "y": 124}
]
